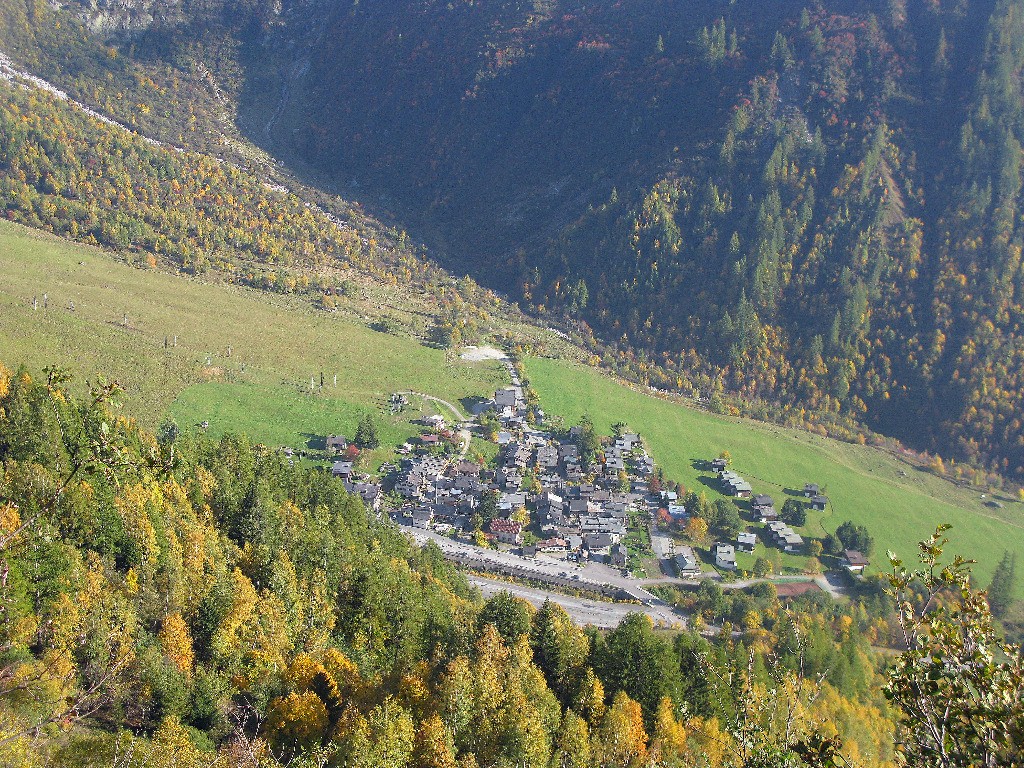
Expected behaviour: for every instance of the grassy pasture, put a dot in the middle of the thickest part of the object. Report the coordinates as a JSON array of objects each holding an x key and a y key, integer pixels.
[
  {"x": 899, "y": 504},
  {"x": 277, "y": 343}
]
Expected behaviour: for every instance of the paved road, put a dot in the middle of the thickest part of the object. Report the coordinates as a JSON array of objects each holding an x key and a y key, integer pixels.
[
  {"x": 581, "y": 610},
  {"x": 544, "y": 566},
  {"x": 591, "y": 576}
]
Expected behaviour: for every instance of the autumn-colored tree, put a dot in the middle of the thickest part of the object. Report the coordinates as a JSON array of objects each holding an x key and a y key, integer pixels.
[
  {"x": 697, "y": 530},
  {"x": 669, "y": 737},
  {"x": 176, "y": 643},
  {"x": 589, "y": 700},
  {"x": 572, "y": 743},
  {"x": 622, "y": 739},
  {"x": 295, "y": 722},
  {"x": 434, "y": 747},
  {"x": 391, "y": 736}
]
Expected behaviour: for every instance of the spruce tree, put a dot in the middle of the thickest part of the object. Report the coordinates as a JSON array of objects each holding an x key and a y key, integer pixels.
[
  {"x": 366, "y": 433},
  {"x": 1000, "y": 591}
]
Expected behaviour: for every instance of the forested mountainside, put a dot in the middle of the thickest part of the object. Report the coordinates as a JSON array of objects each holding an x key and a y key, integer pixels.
[
  {"x": 175, "y": 598},
  {"x": 813, "y": 203},
  {"x": 810, "y": 205}
]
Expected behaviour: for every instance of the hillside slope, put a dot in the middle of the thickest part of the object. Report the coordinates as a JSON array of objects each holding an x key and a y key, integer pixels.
[
  {"x": 758, "y": 198},
  {"x": 244, "y": 365},
  {"x": 737, "y": 200}
]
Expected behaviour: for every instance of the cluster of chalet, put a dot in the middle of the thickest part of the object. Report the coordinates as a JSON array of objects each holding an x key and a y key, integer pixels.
[
  {"x": 588, "y": 520},
  {"x": 584, "y": 520},
  {"x": 441, "y": 492},
  {"x": 775, "y": 531},
  {"x": 344, "y": 470}
]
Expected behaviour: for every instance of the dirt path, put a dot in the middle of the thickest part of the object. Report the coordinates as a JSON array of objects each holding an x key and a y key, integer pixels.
[{"x": 464, "y": 434}]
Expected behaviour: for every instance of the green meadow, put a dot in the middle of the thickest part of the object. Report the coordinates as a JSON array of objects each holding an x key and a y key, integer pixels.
[
  {"x": 244, "y": 362},
  {"x": 900, "y": 505},
  {"x": 244, "y": 359}
]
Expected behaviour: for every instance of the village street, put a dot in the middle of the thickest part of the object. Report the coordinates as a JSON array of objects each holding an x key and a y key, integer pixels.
[
  {"x": 599, "y": 613},
  {"x": 592, "y": 575}
]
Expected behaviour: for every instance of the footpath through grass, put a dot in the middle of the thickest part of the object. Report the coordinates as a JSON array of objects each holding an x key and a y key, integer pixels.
[{"x": 899, "y": 505}]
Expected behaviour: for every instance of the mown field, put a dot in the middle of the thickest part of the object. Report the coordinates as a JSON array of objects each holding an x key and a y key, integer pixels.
[
  {"x": 899, "y": 504},
  {"x": 262, "y": 386}
]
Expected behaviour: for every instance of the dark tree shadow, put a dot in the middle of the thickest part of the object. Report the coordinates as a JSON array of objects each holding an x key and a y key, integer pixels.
[
  {"x": 711, "y": 482},
  {"x": 472, "y": 403},
  {"x": 315, "y": 442}
]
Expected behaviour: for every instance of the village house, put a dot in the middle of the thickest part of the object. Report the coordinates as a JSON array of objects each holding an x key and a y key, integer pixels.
[
  {"x": 411, "y": 486},
  {"x": 784, "y": 537},
  {"x": 336, "y": 443},
  {"x": 569, "y": 453},
  {"x": 547, "y": 457},
  {"x": 719, "y": 465},
  {"x": 470, "y": 468},
  {"x": 612, "y": 466},
  {"x": 745, "y": 542},
  {"x": 628, "y": 441},
  {"x": 619, "y": 555},
  {"x": 734, "y": 485},
  {"x": 608, "y": 525},
  {"x": 509, "y": 502},
  {"x": 598, "y": 545},
  {"x": 645, "y": 466},
  {"x": 507, "y": 531},
  {"x": 508, "y": 397},
  {"x": 368, "y": 492},
  {"x": 725, "y": 556},
  {"x": 855, "y": 562},
  {"x": 342, "y": 470},
  {"x": 819, "y": 502},
  {"x": 763, "y": 506},
  {"x": 811, "y": 489},
  {"x": 686, "y": 562}
]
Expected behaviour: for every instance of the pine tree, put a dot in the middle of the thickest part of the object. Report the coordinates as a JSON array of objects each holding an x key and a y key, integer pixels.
[
  {"x": 1000, "y": 591},
  {"x": 366, "y": 433}
]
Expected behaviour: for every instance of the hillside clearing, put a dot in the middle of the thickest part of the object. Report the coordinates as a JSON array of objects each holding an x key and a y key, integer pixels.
[
  {"x": 272, "y": 345},
  {"x": 898, "y": 504}
]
